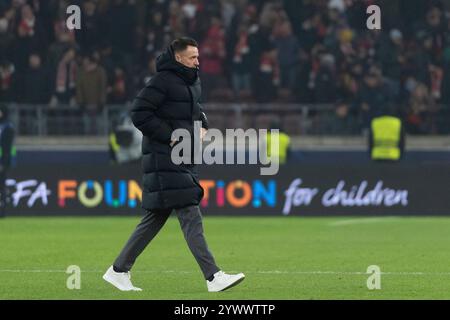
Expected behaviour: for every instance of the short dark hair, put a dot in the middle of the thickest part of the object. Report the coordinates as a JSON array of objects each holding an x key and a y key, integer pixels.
[{"x": 180, "y": 44}]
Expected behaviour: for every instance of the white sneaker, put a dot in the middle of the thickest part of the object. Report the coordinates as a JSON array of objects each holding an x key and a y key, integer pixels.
[
  {"x": 223, "y": 281},
  {"x": 120, "y": 280}
]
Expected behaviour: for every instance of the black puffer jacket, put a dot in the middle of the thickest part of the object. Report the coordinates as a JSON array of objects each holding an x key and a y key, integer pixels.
[{"x": 170, "y": 100}]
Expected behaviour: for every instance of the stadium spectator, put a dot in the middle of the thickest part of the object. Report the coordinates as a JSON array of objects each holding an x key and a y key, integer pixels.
[
  {"x": 107, "y": 59},
  {"x": 422, "y": 111},
  {"x": 118, "y": 88},
  {"x": 148, "y": 73},
  {"x": 121, "y": 34},
  {"x": 343, "y": 122},
  {"x": 414, "y": 43},
  {"x": 35, "y": 83},
  {"x": 29, "y": 37},
  {"x": 267, "y": 77},
  {"x": 287, "y": 47},
  {"x": 91, "y": 90},
  {"x": 65, "y": 78},
  {"x": 90, "y": 33},
  {"x": 325, "y": 80},
  {"x": 241, "y": 64},
  {"x": 6, "y": 33},
  {"x": 154, "y": 38},
  {"x": 373, "y": 96},
  {"x": 213, "y": 56},
  {"x": 391, "y": 55},
  {"x": 64, "y": 40},
  {"x": 8, "y": 81}
]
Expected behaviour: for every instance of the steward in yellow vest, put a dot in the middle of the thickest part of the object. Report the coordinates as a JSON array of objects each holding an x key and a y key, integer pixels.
[
  {"x": 387, "y": 138},
  {"x": 283, "y": 149}
]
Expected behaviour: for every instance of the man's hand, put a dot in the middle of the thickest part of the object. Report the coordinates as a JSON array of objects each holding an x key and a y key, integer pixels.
[{"x": 172, "y": 143}]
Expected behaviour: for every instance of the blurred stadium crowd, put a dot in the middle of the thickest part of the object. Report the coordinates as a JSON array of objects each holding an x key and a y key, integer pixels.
[{"x": 291, "y": 51}]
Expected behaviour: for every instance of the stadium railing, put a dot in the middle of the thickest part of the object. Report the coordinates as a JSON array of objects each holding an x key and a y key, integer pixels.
[
  {"x": 44, "y": 120},
  {"x": 295, "y": 119}
]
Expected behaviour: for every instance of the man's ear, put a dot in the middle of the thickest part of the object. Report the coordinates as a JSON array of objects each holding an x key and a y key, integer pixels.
[{"x": 177, "y": 57}]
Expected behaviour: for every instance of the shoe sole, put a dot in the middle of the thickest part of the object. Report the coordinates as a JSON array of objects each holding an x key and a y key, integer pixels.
[
  {"x": 233, "y": 284},
  {"x": 114, "y": 285}
]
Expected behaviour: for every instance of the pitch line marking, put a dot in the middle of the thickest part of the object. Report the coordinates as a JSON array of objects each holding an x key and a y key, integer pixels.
[
  {"x": 249, "y": 272},
  {"x": 361, "y": 221}
]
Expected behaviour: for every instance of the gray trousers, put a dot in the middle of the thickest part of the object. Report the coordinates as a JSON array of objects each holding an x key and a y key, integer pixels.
[{"x": 190, "y": 219}]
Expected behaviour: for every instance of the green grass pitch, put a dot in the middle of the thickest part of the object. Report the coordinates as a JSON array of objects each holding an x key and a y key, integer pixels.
[{"x": 282, "y": 257}]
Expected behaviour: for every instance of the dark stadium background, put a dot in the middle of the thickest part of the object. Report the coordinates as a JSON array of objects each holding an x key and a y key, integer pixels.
[{"x": 311, "y": 67}]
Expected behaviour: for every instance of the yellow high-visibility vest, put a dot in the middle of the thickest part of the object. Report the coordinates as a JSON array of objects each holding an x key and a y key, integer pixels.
[
  {"x": 113, "y": 142},
  {"x": 283, "y": 145},
  {"x": 386, "y": 131}
]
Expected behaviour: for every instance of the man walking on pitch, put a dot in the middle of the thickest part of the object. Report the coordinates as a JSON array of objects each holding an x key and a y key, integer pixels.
[{"x": 170, "y": 101}]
